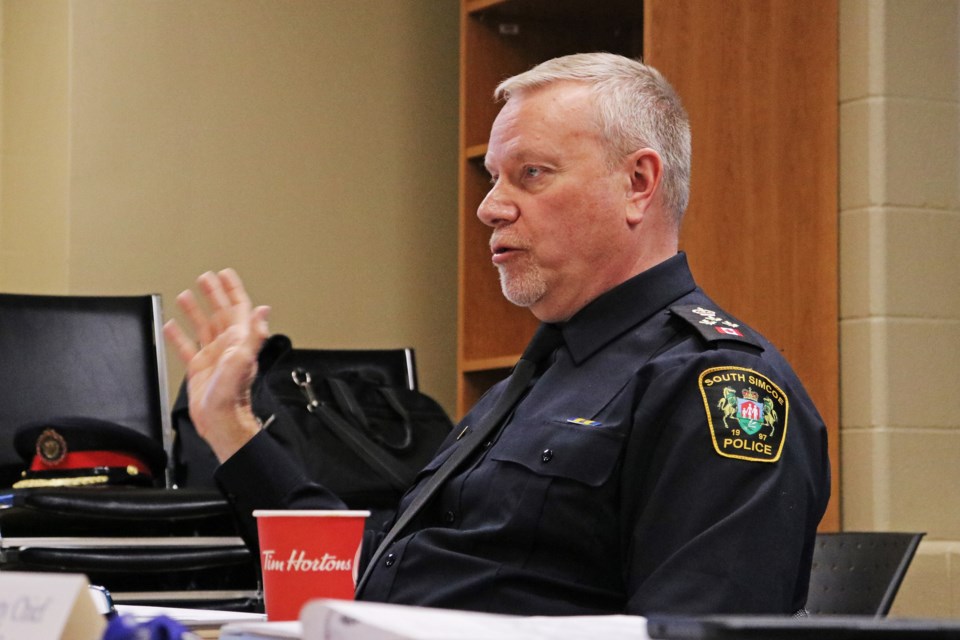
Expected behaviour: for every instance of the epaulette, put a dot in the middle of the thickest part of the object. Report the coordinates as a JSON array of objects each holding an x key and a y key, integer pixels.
[{"x": 714, "y": 326}]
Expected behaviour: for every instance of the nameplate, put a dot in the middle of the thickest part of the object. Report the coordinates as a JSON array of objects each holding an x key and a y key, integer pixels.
[{"x": 47, "y": 606}]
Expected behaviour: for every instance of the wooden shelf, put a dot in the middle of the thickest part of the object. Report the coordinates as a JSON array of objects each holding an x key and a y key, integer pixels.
[
  {"x": 486, "y": 364},
  {"x": 559, "y": 10},
  {"x": 476, "y": 152}
]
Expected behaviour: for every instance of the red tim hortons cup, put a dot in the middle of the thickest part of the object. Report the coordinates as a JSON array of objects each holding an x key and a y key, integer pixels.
[{"x": 306, "y": 555}]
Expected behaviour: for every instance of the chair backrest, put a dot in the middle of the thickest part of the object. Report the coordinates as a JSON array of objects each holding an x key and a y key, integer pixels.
[
  {"x": 83, "y": 356},
  {"x": 393, "y": 367},
  {"x": 859, "y": 573}
]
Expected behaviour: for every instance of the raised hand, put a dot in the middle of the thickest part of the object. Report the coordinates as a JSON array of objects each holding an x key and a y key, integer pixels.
[{"x": 222, "y": 362}]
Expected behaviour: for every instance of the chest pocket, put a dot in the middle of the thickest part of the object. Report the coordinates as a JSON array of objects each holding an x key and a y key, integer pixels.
[{"x": 584, "y": 454}]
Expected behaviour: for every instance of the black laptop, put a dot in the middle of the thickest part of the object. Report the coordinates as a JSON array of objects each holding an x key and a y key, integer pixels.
[{"x": 821, "y": 627}]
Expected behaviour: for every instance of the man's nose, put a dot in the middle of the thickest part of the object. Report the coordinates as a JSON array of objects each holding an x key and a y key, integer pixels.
[{"x": 497, "y": 209}]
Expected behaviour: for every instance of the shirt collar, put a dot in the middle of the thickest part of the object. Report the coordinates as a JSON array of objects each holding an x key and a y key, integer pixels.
[{"x": 626, "y": 305}]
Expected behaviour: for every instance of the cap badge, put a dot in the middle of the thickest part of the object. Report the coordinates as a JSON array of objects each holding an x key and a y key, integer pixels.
[{"x": 51, "y": 447}]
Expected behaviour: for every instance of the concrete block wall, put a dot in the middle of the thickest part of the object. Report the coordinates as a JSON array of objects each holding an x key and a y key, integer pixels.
[{"x": 900, "y": 284}]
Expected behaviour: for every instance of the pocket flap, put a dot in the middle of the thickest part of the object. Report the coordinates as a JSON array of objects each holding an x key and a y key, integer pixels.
[{"x": 578, "y": 452}]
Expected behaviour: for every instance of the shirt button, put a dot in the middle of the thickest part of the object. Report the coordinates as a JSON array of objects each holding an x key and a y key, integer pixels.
[
  {"x": 390, "y": 559},
  {"x": 449, "y": 517},
  {"x": 547, "y": 455}
]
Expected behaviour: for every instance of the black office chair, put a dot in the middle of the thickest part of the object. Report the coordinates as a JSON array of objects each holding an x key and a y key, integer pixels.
[
  {"x": 83, "y": 356},
  {"x": 859, "y": 573},
  {"x": 103, "y": 358}
]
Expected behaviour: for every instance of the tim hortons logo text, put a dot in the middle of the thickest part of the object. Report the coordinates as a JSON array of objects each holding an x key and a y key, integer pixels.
[{"x": 298, "y": 561}]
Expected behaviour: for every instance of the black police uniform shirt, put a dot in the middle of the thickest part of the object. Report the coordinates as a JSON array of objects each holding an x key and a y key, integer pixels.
[{"x": 668, "y": 460}]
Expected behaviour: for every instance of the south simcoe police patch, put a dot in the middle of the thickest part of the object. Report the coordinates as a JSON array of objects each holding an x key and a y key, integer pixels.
[{"x": 746, "y": 412}]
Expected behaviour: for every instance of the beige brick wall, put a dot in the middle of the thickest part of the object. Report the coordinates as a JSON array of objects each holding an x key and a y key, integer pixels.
[
  {"x": 310, "y": 145},
  {"x": 900, "y": 284}
]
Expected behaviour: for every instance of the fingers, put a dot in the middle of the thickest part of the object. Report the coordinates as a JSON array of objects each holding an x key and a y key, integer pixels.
[
  {"x": 175, "y": 336},
  {"x": 239, "y": 338},
  {"x": 221, "y": 309},
  {"x": 233, "y": 288},
  {"x": 222, "y": 315},
  {"x": 226, "y": 304},
  {"x": 195, "y": 357},
  {"x": 198, "y": 319}
]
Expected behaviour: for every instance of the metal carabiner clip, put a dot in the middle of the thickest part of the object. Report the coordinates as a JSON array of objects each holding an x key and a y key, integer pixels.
[{"x": 301, "y": 378}]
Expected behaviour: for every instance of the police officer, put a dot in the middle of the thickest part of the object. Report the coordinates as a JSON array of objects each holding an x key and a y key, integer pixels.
[{"x": 665, "y": 459}]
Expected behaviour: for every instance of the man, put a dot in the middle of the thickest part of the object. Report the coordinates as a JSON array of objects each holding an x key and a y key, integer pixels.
[{"x": 666, "y": 459}]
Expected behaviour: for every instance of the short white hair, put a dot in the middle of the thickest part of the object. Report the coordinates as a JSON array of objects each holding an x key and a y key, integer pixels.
[{"x": 636, "y": 108}]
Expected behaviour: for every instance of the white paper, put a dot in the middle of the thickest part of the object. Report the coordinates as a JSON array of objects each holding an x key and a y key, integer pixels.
[
  {"x": 291, "y": 630},
  {"x": 342, "y": 620},
  {"x": 67, "y": 542},
  {"x": 187, "y": 617}
]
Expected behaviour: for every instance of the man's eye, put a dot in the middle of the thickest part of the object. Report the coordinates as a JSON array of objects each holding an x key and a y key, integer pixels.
[{"x": 532, "y": 172}]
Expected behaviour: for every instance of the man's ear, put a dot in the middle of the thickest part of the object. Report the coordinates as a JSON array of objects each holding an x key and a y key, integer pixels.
[{"x": 646, "y": 173}]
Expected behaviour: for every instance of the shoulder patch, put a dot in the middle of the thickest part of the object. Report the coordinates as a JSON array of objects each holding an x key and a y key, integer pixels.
[
  {"x": 714, "y": 326},
  {"x": 746, "y": 413}
]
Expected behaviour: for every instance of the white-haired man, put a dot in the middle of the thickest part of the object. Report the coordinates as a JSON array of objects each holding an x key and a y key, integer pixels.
[{"x": 665, "y": 459}]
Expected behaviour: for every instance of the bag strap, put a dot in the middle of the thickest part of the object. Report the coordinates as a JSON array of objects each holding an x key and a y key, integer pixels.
[
  {"x": 398, "y": 475},
  {"x": 350, "y": 407},
  {"x": 347, "y": 402},
  {"x": 393, "y": 399}
]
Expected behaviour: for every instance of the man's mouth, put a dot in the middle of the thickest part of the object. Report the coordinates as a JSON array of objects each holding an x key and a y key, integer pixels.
[{"x": 502, "y": 250}]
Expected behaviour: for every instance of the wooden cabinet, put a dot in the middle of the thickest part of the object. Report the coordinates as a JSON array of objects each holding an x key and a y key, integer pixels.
[{"x": 759, "y": 80}]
